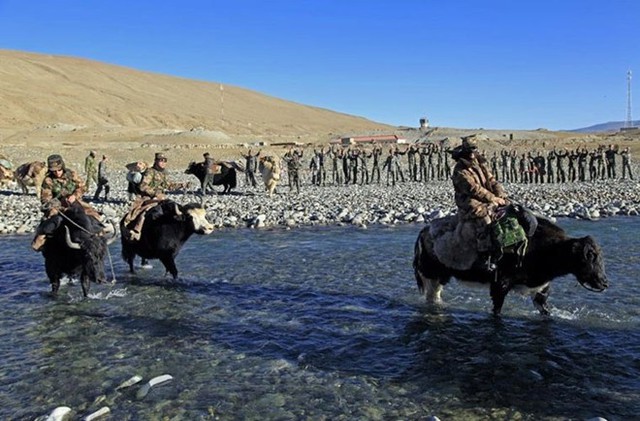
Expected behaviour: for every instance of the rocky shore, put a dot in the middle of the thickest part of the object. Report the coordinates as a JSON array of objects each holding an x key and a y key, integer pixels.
[{"x": 341, "y": 205}]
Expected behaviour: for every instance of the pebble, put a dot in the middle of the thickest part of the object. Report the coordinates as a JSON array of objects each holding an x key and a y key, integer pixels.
[
  {"x": 357, "y": 205},
  {"x": 144, "y": 390}
]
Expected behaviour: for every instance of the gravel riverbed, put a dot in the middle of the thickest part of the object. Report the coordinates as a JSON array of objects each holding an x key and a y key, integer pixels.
[{"x": 360, "y": 205}]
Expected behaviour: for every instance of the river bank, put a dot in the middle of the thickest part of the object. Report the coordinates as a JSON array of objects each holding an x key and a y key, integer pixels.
[{"x": 359, "y": 205}]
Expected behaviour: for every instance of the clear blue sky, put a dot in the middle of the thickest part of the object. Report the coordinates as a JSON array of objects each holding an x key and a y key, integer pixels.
[{"x": 513, "y": 64}]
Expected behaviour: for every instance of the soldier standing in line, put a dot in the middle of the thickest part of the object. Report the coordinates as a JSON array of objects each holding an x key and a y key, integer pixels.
[
  {"x": 353, "y": 165},
  {"x": 610, "y": 156},
  {"x": 573, "y": 155},
  {"x": 423, "y": 154},
  {"x": 251, "y": 166},
  {"x": 336, "y": 158},
  {"x": 375, "y": 166},
  {"x": 390, "y": 166},
  {"x": 522, "y": 166},
  {"x": 513, "y": 157},
  {"x": 103, "y": 180},
  {"x": 439, "y": 162},
  {"x": 363, "y": 166},
  {"x": 601, "y": 168},
  {"x": 293, "y": 160},
  {"x": 447, "y": 165},
  {"x": 551, "y": 157},
  {"x": 506, "y": 166},
  {"x": 321, "y": 177},
  {"x": 593, "y": 159},
  {"x": 531, "y": 167},
  {"x": 494, "y": 163},
  {"x": 397, "y": 153},
  {"x": 539, "y": 162},
  {"x": 431, "y": 169},
  {"x": 561, "y": 175},
  {"x": 626, "y": 163},
  {"x": 582, "y": 164},
  {"x": 345, "y": 165},
  {"x": 411, "y": 161},
  {"x": 90, "y": 169},
  {"x": 313, "y": 169}
]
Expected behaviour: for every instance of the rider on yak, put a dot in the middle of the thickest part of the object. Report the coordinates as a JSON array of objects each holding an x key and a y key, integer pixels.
[{"x": 478, "y": 195}]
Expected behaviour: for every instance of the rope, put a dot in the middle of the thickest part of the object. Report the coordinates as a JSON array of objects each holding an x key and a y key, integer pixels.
[{"x": 113, "y": 273}]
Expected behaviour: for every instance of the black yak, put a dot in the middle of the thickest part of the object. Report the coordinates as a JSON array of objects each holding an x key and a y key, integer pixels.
[
  {"x": 550, "y": 254},
  {"x": 166, "y": 228},
  {"x": 75, "y": 246}
]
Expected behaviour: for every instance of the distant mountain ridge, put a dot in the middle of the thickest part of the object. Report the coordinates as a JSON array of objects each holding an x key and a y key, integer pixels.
[{"x": 612, "y": 126}]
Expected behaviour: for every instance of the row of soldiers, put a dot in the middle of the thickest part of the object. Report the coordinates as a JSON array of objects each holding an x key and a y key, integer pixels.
[
  {"x": 431, "y": 162},
  {"x": 561, "y": 166},
  {"x": 424, "y": 163},
  {"x": 361, "y": 166}
]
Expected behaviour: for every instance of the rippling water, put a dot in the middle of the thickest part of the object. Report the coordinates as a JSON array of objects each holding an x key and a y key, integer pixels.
[{"x": 320, "y": 323}]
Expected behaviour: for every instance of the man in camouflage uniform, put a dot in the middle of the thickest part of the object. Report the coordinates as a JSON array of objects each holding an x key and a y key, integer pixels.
[
  {"x": 477, "y": 195},
  {"x": 90, "y": 169},
  {"x": 626, "y": 163},
  {"x": 209, "y": 174},
  {"x": 610, "y": 161},
  {"x": 152, "y": 187},
  {"x": 103, "y": 180},
  {"x": 61, "y": 189},
  {"x": 293, "y": 160},
  {"x": 250, "y": 167}
]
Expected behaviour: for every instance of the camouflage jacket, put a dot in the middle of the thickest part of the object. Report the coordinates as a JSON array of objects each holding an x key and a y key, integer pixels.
[
  {"x": 90, "y": 165},
  {"x": 62, "y": 187},
  {"x": 154, "y": 182},
  {"x": 475, "y": 188}
]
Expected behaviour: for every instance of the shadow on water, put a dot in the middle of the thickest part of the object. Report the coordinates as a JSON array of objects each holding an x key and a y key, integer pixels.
[{"x": 543, "y": 366}]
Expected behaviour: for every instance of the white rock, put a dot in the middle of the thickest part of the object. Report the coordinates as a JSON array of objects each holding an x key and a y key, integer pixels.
[{"x": 61, "y": 413}]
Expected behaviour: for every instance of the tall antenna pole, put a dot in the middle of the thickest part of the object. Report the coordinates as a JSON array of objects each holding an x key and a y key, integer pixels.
[
  {"x": 222, "y": 101},
  {"x": 629, "y": 122}
]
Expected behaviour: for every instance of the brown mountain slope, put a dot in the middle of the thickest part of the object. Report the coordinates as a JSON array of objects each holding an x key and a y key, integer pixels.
[{"x": 42, "y": 90}]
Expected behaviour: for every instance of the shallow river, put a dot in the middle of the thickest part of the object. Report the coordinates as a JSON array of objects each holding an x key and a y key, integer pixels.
[{"x": 317, "y": 323}]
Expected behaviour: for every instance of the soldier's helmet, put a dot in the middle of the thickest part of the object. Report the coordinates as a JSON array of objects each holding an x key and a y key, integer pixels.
[
  {"x": 55, "y": 162},
  {"x": 160, "y": 157}
]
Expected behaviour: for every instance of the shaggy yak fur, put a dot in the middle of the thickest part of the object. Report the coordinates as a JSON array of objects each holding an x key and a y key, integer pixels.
[
  {"x": 74, "y": 251},
  {"x": 550, "y": 254},
  {"x": 269, "y": 168}
]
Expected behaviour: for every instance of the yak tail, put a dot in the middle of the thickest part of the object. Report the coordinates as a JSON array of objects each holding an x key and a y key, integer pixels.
[{"x": 417, "y": 264}]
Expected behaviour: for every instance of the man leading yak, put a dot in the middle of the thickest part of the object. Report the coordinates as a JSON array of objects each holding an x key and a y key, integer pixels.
[{"x": 477, "y": 194}]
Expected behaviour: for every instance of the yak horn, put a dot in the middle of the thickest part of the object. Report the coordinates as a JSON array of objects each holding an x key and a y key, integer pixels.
[
  {"x": 70, "y": 244},
  {"x": 178, "y": 213}
]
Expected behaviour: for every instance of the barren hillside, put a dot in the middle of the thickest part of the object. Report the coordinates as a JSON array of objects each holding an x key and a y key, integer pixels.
[{"x": 70, "y": 105}]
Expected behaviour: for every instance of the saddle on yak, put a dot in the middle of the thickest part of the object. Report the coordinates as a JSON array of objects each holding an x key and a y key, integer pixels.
[{"x": 454, "y": 241}]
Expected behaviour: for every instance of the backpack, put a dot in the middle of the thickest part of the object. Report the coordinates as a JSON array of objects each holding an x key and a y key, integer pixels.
[{"x": 508, "y": 235}]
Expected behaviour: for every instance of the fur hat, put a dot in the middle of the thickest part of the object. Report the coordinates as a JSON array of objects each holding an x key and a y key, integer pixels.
[
  {"x": 160, "y": 156},
  {"x": 55, "y": 162},
  {"x": 470, "y": 143}
]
